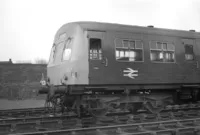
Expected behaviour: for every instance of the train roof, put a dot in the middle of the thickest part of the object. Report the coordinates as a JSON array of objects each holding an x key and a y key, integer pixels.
[{"x": 99, "y": 26}]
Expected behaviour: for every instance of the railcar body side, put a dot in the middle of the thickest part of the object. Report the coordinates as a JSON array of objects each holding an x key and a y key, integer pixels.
[{"x": 108, "y": 72}]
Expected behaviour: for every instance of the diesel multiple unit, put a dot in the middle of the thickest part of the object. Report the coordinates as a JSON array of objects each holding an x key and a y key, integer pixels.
[{"x": 111, "y": 65}]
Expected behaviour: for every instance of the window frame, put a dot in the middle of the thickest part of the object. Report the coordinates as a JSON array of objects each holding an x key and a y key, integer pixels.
[
  {"x": 68, "y": 47},
  {"x": 52, "y": 55},
  {"x": 62, "y": 36},
  {"x": 194, "y": 56},
  {"x": 98, "y": 54},
  {"x": 128, "y": 48},
  {"x": 56, "y": 54},
  {"x": 162, "y": 50}
]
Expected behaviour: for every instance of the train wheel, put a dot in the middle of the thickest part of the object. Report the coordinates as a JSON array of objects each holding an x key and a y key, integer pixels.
[
  {"x": 152, "y": 108},
  {"x": 97, "y": 108},
  {"x": 48, "y": 106},
  {"x": 133, "y": 107},
  {"x": 55, "y": 103}
]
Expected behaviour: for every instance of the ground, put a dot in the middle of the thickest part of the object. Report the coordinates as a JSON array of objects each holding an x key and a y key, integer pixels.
[{"x": 27, "y": 103}]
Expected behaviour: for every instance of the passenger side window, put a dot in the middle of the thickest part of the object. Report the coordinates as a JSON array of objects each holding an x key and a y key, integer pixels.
[
  {"x": 67, "y": 50},
  {"x": 128, "y": 50},
  {"x": 189, "y": 54},
  {"x": 162, "y": 52},
  {"x": 95, "y": 49}
]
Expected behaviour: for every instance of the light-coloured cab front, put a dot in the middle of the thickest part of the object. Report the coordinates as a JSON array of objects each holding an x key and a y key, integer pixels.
[{"x": 68, "y": 63}]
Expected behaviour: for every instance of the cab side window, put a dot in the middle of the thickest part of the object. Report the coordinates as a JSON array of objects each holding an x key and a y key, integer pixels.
[
  {"x": 162, "y": 52},
  {"x": 95, "y": 49},
  {"x": 66, "y": 55},
  {"x": 189, "y": 54},
  {"x": 128, "y": 50}
]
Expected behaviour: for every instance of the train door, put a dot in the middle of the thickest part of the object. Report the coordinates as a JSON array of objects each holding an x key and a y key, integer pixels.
[
  {"x": 198, "y": 54},
  {"x": 96, "y": 61},
  {"x": 191, "y": 61}
]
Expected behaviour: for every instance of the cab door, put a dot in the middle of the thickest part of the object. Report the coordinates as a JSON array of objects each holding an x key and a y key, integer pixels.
[
  {"x": 198, "y": 55},
  {"x": 191, "y": 67},
  {"x": 97, "y": 63}
]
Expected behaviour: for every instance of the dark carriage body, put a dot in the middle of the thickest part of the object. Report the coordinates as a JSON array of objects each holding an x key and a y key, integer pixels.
[{"x": 114, "y": 57}]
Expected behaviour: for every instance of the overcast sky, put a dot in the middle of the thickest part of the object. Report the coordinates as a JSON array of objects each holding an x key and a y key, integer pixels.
[{"x": 27, "y": 27}]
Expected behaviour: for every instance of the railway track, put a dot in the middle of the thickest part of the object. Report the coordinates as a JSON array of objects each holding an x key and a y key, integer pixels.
[
  {"x": 70, "y": 124},
  {"x": 21, "y": 112},
  {"x": 172, "y": 127},
  {"x": 33, "y": 112},
  {"x": 65, "y": 122}
]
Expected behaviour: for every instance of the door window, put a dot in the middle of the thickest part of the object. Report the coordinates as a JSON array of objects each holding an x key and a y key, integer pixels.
[
  {"x": 95, "y": 49},
  {"x": 189, "y": 54},
  {"x": 189, "y": 51}
]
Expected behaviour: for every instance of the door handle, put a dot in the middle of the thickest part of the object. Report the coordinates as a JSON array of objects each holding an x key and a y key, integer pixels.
[{"x": 105, "y": 61}]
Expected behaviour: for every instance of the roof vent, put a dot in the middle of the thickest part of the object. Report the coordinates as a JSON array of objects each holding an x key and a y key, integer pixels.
[
  {"x": 150, "y": 26},
  {"x": 192, "y": 30}
]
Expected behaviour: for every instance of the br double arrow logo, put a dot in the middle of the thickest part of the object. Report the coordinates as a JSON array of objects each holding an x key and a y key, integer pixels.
[{"x": 129, "y": 72}]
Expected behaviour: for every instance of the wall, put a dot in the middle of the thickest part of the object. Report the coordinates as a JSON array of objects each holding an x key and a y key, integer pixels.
[{"x": 20, "y": 81}]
